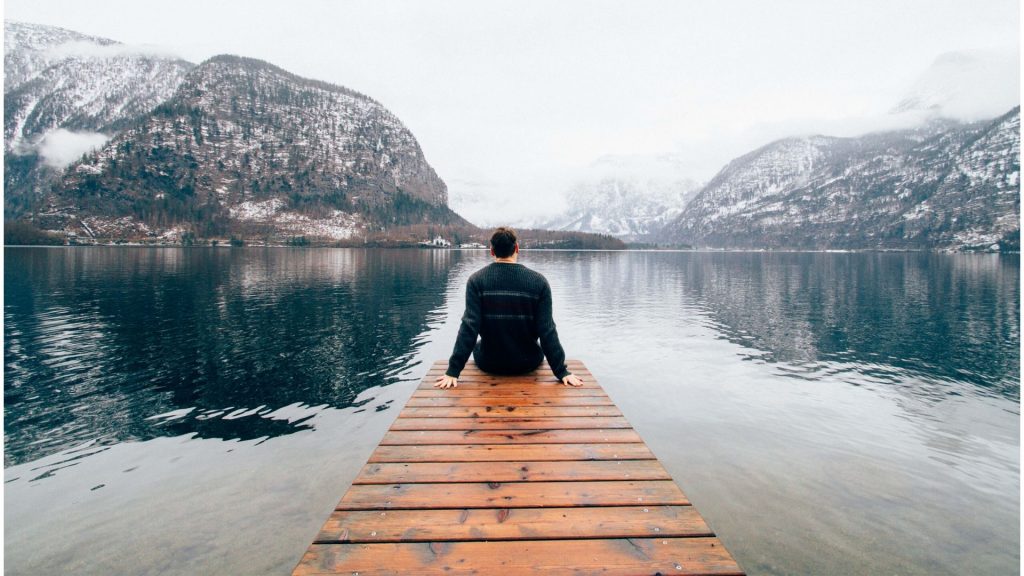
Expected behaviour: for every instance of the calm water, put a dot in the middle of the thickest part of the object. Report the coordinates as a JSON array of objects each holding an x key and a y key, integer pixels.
[{"x": 202, "y": 410}]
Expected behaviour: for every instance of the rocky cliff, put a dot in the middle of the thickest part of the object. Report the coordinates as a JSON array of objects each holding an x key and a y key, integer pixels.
[
  {"x": 243, "y": 143},
  {"x": 64, "y": 94}
]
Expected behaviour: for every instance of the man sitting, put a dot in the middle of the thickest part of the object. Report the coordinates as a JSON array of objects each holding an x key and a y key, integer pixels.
[{"x": 509, "y": 307}]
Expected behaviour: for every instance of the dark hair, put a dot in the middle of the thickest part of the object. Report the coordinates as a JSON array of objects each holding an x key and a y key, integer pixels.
[{"x": 503, "y": 242}]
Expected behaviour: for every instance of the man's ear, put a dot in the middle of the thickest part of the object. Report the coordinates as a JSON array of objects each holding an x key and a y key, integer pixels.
[
  {"x": 492, "y": 251},
  {"x": 515, "y": 250}
]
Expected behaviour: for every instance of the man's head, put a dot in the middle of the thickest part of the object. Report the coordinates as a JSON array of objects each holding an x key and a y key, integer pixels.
[{"x": 503, "y": 242}]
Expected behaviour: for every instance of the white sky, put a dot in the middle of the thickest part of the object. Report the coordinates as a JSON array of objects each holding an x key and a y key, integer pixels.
[{"x": 514, "y": 99}]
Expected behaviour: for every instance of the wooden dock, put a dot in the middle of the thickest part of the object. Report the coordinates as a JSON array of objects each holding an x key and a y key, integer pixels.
[{"x": 514, "y": 475}]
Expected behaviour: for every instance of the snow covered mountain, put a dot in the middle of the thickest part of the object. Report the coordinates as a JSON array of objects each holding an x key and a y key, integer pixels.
[
  {"x": 968, "y": 86},
  {"x": 31, "y": 48},
  {"x": 629, "y": 197},
  {"x": 947, "y": 186},
  {"x": 107, "y": 140},
  {"x": 65, "y": 94},
  {"x": 628, "y": 208},
  {"x": 244, "y": 146}
]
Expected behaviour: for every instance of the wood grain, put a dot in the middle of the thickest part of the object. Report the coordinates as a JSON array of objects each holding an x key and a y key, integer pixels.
[
  {"x": 512, "y": 524},
  {"x": 511, "y": 452},
  {"x": 491, "y": 400},
  {"x": 608, "y": 557},
  {"x": 512, "y": 495},
  {"x": 403, "y": 473},
  {"x": 540, "y": 436},
  {"x": 500, "y": 411},
  {"x": 514, "y": 475},
  {"x": 547, "y": 423}
]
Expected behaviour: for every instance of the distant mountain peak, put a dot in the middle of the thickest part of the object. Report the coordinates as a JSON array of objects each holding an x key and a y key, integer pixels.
[{"x": 966, "y": 85}]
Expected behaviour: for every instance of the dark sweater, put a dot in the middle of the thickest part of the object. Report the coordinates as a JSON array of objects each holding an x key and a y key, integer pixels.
[{"x": 509, "y": 307}]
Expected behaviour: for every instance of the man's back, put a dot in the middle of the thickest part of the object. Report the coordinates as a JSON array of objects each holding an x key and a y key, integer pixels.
[{"x": 509, "y": 306}]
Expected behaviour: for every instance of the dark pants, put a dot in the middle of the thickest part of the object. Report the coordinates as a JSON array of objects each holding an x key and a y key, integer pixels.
[{"x": 496, "y": 363}]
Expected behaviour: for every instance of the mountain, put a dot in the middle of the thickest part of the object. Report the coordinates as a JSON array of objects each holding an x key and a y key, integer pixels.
[
  {"x": 627, "y": 208},
  {"x": 31, "y": 48},
  {"x": 66, "y": 93},
  {"x": 245, "y": 147},
  {"x": 626, "y": 196},
  {"x": 967, "y": 86},
  {"x": 947, "y": 186}
]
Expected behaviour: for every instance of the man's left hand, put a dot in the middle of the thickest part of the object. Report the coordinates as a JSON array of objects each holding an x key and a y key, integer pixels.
[{"x": 572, "y": 380}]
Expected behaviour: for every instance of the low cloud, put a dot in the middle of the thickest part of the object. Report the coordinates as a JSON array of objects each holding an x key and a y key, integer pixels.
[
  {"x": 968, "y": 85},
  {"x": 87, "y": 49},
  {"x": 60, "y": 147}
]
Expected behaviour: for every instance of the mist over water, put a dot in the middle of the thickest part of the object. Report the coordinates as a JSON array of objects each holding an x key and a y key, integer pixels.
[{"x": 827, "y": 413}]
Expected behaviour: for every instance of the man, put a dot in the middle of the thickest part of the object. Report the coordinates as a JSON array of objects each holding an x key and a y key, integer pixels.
[{"x": 509, "y": 307}]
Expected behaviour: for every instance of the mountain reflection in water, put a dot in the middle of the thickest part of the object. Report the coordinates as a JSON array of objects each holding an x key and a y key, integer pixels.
[
  {"x": 114, "y": 344},
  {"x": 853, "y": 399},
  {"x": 954, "y": 319}
]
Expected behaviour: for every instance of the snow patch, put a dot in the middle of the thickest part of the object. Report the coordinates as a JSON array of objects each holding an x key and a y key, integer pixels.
[
  {"x": 250, "y": 211},
  {"x": 339, "y": 225}
]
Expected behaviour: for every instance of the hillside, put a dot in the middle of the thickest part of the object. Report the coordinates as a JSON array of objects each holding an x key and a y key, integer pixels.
[
  {"x": 946, "y": 186},
  {"x": 244, "y": 147}
]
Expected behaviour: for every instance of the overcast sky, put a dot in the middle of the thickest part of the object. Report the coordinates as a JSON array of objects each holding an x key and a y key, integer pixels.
[{"x": 516, "y": 99}]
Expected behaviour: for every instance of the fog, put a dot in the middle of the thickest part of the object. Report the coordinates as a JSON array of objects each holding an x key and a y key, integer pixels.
[
  {"x": 61, "y": 147},
  {"x": 512, "y": 100}
]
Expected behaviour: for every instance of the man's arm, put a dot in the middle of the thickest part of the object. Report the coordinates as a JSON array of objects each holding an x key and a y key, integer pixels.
[
  {"x": 468, "y": 331},
  {"x": 549, "y": 337}
]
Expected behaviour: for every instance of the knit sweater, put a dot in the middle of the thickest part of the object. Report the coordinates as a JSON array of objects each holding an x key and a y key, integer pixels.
[{"x": 509, "y": 307}]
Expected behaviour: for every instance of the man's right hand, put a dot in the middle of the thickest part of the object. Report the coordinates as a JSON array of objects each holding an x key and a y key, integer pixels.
[{"x": 446, "y": 381}]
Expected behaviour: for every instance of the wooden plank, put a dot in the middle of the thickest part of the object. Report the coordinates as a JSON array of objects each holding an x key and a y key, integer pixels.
[
  {"x": 522, "y": 392},
  {"x": 509, "y": 401},
  {"x": 473, "y": 375},
  {"x": 498, "y": 383},
  {"x": 442, "y": 365},
  {"x": 511, "y": 453},
  {"x": 402, "y": 473},
  {"x": 509, "y": 411},
  {"x": 512, "y": 495},
  {"x": 514, "y": 475},
  {"x": 512, "y": 524},
  {"x": 508, "y": 423},
  {"x": 416, "y": 437},
  {"x": 471, "y": 370},
  {"x": 608, "y": 557}
]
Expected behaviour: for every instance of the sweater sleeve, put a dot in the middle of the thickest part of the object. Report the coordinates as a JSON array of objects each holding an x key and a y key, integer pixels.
[
  {"x": 468, "y": 331},
  {"x": 549, "y": 335}
]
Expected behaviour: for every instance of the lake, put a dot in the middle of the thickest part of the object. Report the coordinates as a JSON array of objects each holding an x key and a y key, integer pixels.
[{"x": 201, "y": 410}]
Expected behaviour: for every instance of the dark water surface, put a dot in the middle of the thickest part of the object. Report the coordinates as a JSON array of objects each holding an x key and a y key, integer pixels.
[{"x": 201, "y": 410}]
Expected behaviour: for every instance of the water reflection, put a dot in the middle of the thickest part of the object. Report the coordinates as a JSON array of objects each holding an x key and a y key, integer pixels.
[
  {"x": 853, "y": 398},
  {"x": 954, "y": 318},
  {"x": 113, "y": 344}
]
